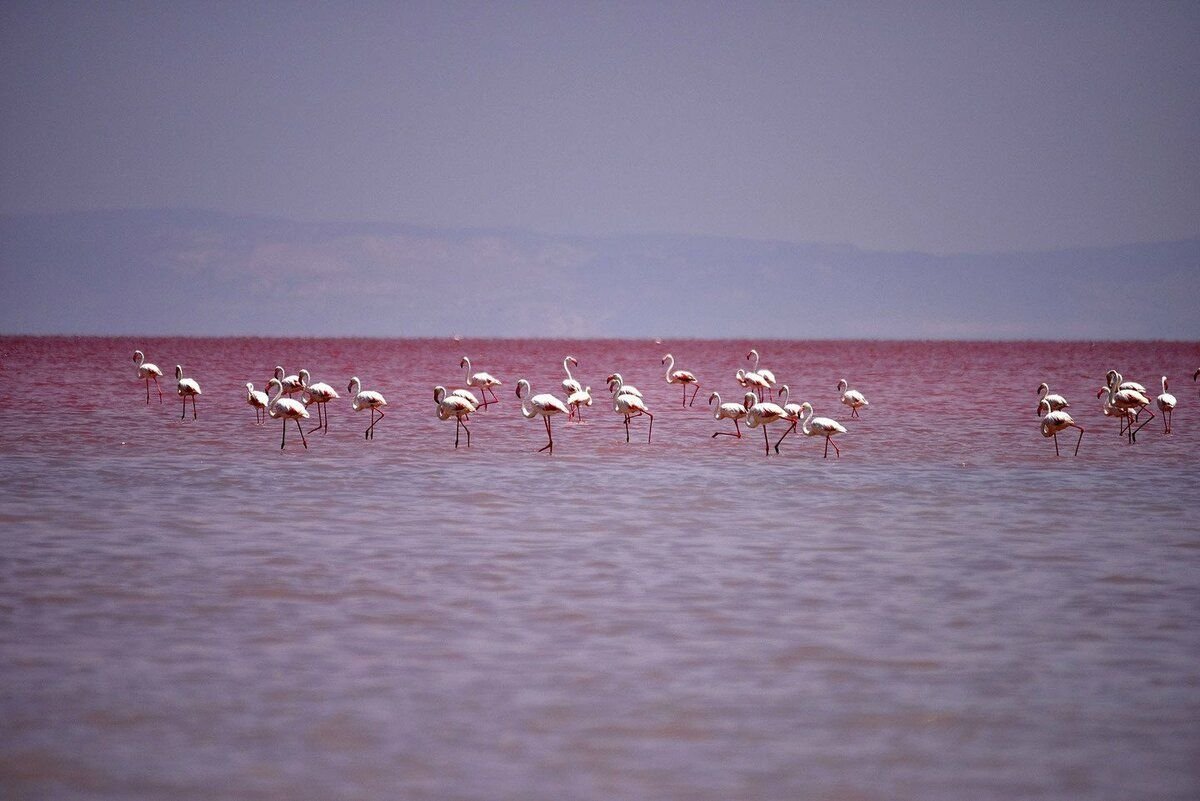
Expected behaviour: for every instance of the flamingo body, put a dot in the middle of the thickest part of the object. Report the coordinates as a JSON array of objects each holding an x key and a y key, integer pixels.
[
  {"x": 366, "y": 399},
  {"x": 186, "y": 388},
  {"x": 852, "y": 397},
  {"x": 285, "y": 409},
  {"x": 544, "y": 406},
  {"x": 148, "y": 372}
]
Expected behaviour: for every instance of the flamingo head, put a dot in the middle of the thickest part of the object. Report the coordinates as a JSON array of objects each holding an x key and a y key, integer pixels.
[
  {"x": 664, "y": 358},
  {"x": 137, "y": 354},
  {"x": 522, "y": 384},
  {"x": 714, "y": 396},
  {"x": 178, "y": 371},
  {"x": 843, "y": 384},
  {"x": 463, "y": 362},
  {"x": 439, "y": 394},
  {"x": 749, "y": 400},
  {"x": 574, "y": 362},
  {"x": 752, "y": 353}
]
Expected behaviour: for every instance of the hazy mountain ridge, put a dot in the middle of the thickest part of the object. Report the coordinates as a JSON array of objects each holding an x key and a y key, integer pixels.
[{"x": 207, "y": 273}]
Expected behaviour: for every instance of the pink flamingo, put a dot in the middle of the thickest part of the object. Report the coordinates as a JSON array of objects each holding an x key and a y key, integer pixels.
[
  {"x": 285, "y": 409},
  {"x": 1055, "y": 421},
  {"x": 544, "y": 405},
  {"x": 454, "y": 406},
  {"x": 366, "y": 399},
  {"x": 681, "y": 377},
  {"x": 148, "y": 372}
]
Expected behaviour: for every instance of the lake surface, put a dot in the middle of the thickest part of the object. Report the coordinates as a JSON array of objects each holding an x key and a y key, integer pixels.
[{"x": 948, "y": 611}]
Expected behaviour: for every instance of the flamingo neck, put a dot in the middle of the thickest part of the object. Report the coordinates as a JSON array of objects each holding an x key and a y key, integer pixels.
[
  {"x": 670, "y": 365},
  {"x": 355, "y": 385},
  {"x": 784, "y": 393}
]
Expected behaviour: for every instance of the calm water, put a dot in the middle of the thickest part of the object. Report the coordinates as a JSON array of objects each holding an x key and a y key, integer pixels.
[{"x": 948, "y": 611}]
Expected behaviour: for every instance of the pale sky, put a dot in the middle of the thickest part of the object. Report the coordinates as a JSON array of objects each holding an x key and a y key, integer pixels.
[{"x": 939, "y": 127}]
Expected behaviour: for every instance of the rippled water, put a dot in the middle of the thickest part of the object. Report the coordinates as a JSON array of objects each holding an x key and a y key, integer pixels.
[{"x": 947, "y": 611}]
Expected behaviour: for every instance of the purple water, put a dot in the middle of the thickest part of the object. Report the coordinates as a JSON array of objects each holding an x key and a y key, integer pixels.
[{"x": 947, "y": 611}]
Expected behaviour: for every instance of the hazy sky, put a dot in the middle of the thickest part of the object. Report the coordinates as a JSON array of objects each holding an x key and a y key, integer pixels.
[{"x": 947, "y": 127}]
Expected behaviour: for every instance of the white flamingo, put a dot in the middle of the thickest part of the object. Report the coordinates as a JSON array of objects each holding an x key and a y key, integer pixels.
[
  {"x": 485, "y": 382},
  {"x": 577, "y": 399},
  {"x": 259, "y": 401},
  {"x": 186, "y": 388},
  {"x": 752, "y": 380},
  {"x": 761, "y": 414},
  {"x": 469, "y": 396},
  {"x": 818, "y": 427},
  {"x": 285, "y": 409},
  {"x": 617, "y": 386},
  {"x": 1166, "y": 405},
  {"x": 366, "y": 399},
  {"x": 544, "y": 405},
  {"x": 291, "y": 383},
  {"x": 629, "y": 406},
  {"x": 681, "y": 377},
  {"x": 1056, "y": 402},
  {"x": 852, "y": 397},
  {"x": 1123, "y": 384},
  {"x": 569, "y": 384},
  {"x": 727, "y": 411},
  {"x": 454, "y": 406},
  {"x": 1056, "y": 420},
  {"x": 766, "y": 375},
  {"x": 148, "y": 372},
  {"x": 1128, "y": 400},
  {"x": 319, "y": 393},
  {"x": 1124, "y": 417}
]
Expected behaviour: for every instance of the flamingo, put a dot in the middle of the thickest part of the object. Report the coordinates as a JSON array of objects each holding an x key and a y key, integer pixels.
[
  {"x": 1123, "y": 384},
  {"x": 319, "y": 393},
  {"x": 1112, "y": 411},
  {"x": 291, "y": 384},
  {"x": 454, "y": 406},
  {"x": 852, "y": 397},
  {"x": 818, "y": 427},
  {"x": 259, "y": 401},
  {"x": 629, "y": 406},
  {"x": 366, "y": 399},
  {"x": 727, "y": 411},
  {"x": 544, "y": 405},
  {"x": 577, "y": 399},
  {"x": 1056, "y": 402},
  {"x": 148, "y": 372},
  {"x": 1128, "y": 400},
  {"x": 792, "y": 412},
  {"x": 761, "y": 413},
  {"x": 766, "y": 375},
  {"x": 1056, "y": 420},
  {"x": 752, "y": 379},
  {"x": 186, "y": 388},
  {"x": 485, "y": 382},
  {"x": 569, "y": 384},
  {"x": 468, "y": 396},
  {"x": 285, "y": 409},
  {"x": 1166, "y": 405},
  {"x": 681, "y": 377},
  {"x": 617, "y": 386}
]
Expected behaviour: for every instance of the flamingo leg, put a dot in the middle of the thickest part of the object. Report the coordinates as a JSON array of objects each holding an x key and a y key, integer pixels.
[
  {"x": 183, "y": 414},
  {"x": 785, "y": 433},
  {"x": 457, "y": 425},
  {"x": 1143, "y": 425},
  {"x": 684, "y": 384},
  {"x": 550, "y": 437},
  {"x": 301, "y": 430},
  {"x": 651, "y": 432},
  {"x": 147, "y": 391},
  {"x": 1078, "y": 440},
  {"x": 829, "y": 442},
  {"x": 464, "y": 425},
  {"x": 494, "y": 398},
  {"x": 766, "y": 442},
  {"x": 727, "y": 434},
  {"x": 1056, "y": 453},
  {"x": 627, "y": 429},
  {"x": 693, "y": 400},
  {"x": 283, "y": 441},
  {"x": 854, "y": 411},
  {"x": 317, "y": 427},
  {"x": 194, "y": 415}
]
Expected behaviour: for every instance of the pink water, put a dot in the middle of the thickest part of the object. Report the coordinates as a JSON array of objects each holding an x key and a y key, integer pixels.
[{"x": 948, "y": 611}]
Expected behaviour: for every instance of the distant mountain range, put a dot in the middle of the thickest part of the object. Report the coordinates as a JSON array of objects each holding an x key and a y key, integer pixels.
[{"x": 206, "y": 273}]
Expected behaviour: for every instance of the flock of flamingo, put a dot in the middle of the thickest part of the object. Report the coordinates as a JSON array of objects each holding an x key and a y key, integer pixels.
[
  {"x": 460, "y": 404},
  {"x": 1123, "y": 399}
]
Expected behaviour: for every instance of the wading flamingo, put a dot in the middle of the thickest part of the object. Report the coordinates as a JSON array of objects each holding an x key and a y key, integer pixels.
[
  {"x": 1057, "y": 402},
  {"x": 727, "y": 411},
  {"x": 485, "y": 382},
  {"x": 1057, "y": 420},
  {"x": 454, "y": 406},
  {"x": 762, "y": 413},
  {"x": 291, "y": 383},
  {"x": 617, "y": 386},
  {"x": 852, "y": 397},
  {"x": 632, "y": 406},
  {"x": 681, "y": 377},
  {"x": 1128, "y": 400},
  {"x": 259, "y": 401},
  {"x": 148, "y": 372},
  {"x": 186, "y": 388},
  {"x": 766, "y": 375},
  {"x": 366, "y": 399},
  {"x": 285, "y": 409},
  {"x": 1166, "y": 405},
  {"x": 569, "y": 384},
  {"x": 544, "y": 405},
  {"x": 577, "y": 399},
  {"x": 818, "y": 427},
  {"x": 319, "y": 393}
]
